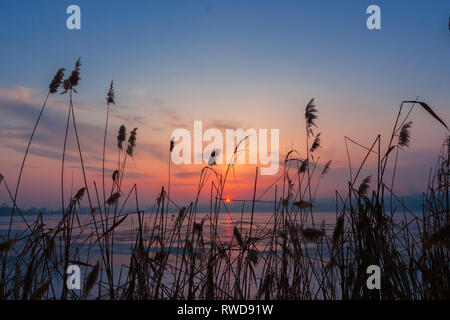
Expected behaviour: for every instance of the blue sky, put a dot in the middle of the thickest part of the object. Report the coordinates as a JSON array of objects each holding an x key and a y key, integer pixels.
[
  {"x": 242, "y": 63},
  {"x": 166, "y": 43}
]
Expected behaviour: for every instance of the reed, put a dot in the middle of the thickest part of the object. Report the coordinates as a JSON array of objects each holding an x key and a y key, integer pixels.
[{"x": 291, "y": 256}]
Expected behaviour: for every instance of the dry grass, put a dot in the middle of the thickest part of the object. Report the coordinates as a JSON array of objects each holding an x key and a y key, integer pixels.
[{"x": 291, "y": 257}]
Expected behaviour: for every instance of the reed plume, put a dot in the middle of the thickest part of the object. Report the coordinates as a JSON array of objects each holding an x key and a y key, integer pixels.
[
  {"x": 132, "y": 142},
  {"x": 121, "y": 137},
  {"x": 115, "y": 176},
  {"x": 364, "y": 186},
  {"x": 113, "y": 198},
  {"x": 404, "y": 136},
  {"x": 91, "y": 279},
  {"x": 71, "y": 82},
  {"x": 57, "y": 81},
  {"x": 316, "y": 143},
  {"x": 75, "y": 75},
  {"x": 110, "y": 97},
  {"x": 212, "y": 158},
  {"x": 303, "y": 166},
  {"x": 326, "y": 168},
  {"x": 79, "y": 195},
  {"x": 310, "y": 115}
]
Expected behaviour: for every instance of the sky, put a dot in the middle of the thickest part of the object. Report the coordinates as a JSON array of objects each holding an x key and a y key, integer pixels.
[{"x": 230, "y": 64}]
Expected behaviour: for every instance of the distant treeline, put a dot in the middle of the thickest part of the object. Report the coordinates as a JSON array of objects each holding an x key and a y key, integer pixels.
[
  {"x": 6, "y": 211},
  {"x": 412, "y": 202}
]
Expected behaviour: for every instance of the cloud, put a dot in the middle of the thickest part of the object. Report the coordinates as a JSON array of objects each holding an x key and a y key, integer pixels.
[
  {"x": 187, "y": 175},
  {"x": 109, "y": 172},
  {"x": 19, "y": 114},
  {"x": 42, "y": 152},
  {"x": 153, "y": 149},
  {"x": 19, "y": 94},
  {"x": 130, "y": 119}
]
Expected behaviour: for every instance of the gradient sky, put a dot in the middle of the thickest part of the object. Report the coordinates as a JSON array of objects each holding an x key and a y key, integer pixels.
[{"x": 247, "y": 64}]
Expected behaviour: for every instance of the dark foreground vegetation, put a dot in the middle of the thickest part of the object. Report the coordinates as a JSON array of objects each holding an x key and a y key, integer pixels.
[{"x": 292, "y": 257}]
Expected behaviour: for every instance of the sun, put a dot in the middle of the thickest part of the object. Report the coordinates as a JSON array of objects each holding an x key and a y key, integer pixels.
[{"x": 227, "y": 200}]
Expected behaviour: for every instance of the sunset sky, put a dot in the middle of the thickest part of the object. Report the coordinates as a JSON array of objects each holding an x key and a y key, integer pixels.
[{"x": 231, "y": 64}]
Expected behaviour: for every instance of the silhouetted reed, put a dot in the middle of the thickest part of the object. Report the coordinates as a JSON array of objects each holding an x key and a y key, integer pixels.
[{"x": 291, "y": 257}]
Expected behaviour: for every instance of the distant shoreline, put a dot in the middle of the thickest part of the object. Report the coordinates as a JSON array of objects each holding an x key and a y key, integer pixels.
[{"x": 412, "y": 202}]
